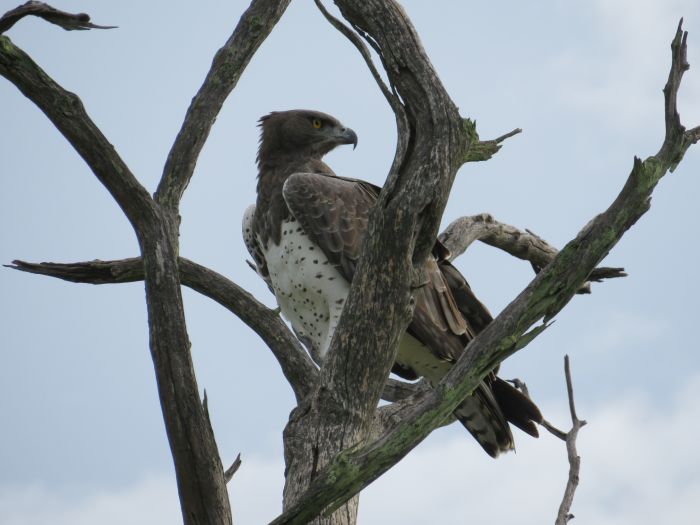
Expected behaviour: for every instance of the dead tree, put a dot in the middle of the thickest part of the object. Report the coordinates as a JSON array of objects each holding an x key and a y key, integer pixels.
[{"x": 359, "y": 441}]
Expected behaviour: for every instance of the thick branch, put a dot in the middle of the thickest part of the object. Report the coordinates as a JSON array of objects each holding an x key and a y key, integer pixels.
[
  {"x": 548, "y": 293},
  {"x": 524, "y": 245},
  {"x": 66, "y": 112},
  {"x": 228, "y": 65},
  {"x": 395, "y": 390},
  {"x": 296, "y": 365},
  {"x": 198, "y": 467},
  {"x": 421, "y": 177},
  {"x": 67, "y": 21},
  {"x": 401, "y": 233}
]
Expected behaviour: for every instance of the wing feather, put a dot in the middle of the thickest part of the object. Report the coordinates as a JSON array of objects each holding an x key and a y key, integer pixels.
[
  {"x": 253, "y": 247},
  {"x": 334, "y": 212}
]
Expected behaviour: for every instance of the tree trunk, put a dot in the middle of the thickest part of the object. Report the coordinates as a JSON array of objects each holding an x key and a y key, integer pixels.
[{"x": 310, "y": 442}]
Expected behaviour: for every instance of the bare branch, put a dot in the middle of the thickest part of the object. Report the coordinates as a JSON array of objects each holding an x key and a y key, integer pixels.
[
  {"x": 564, "y": 515},
  {"x": 67, "y": 21},
  {"x": 554, "y": 430},
  {"x": 198, "y": 467},
  {"x": 90, "y": 272},
  {"x": 677, "y": 140},
  {"x": 228, "y": 475},
  {"x": 295, "y": 362},
  {"x": 390, "y": 95},
  {"x": 229, "y": 63},
  {"x": 462, "y": 232},
  {"x": 296, "y": 365}
]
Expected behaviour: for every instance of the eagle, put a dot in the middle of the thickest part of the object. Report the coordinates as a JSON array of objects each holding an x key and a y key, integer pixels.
[{"x": 304, "y": 234}]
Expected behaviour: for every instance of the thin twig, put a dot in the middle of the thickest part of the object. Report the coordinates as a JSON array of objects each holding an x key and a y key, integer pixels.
[
  {"x": 508, "y": 135},
  {"x": 523, "y": 244},
  {"x": 228, "y": 475},
  {"x": 564, "y": 514},
  {"x": 389, "y": 94}
]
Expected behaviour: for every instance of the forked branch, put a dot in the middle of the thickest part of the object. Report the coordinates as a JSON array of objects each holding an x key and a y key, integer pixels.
[
  {"x": 198, "y": 468},
  {"x": 564, "y": 514}
]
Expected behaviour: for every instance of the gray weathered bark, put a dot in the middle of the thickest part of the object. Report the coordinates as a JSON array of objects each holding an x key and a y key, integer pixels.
[
  {"x": 431, "y": 144},
  {"x": 337, "y": 441}
]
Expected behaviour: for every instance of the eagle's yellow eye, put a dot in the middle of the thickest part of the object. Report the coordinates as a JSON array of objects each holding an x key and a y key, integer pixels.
[{"x": 316, "y": 123}]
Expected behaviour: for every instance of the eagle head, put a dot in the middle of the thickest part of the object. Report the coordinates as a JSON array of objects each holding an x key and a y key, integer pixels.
[{"x": 303, "y": 133}]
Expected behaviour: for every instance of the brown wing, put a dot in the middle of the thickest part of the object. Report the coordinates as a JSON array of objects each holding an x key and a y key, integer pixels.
[{"x": 334, "y": 212}]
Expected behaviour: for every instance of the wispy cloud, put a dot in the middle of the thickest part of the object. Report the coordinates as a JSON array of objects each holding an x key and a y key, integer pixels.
[
  {"x": 619, "y": 78},
  {"x": 150, "y": 501},
  {"x": 622, "y": 330},
  {"x": 639, "y": 467}
]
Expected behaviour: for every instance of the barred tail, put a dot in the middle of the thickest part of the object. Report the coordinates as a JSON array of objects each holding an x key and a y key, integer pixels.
[{"x": 486, "y": 413}]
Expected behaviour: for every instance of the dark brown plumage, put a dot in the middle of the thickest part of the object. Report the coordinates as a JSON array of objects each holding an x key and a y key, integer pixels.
[{"x": 305, "y": 234}]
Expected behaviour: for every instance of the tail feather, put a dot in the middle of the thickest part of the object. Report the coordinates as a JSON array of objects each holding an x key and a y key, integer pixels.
[
  {"x": 482, "y": 417},
  {"x": 487, "y": 412},
  {"x": 517, "y": 408}
]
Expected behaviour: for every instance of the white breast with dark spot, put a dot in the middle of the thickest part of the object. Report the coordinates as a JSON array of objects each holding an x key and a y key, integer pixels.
[{"x": 310, "y": 291}]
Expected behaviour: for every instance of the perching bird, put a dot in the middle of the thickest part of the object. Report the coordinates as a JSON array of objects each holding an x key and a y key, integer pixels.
[{"x": 304, "y": 234}]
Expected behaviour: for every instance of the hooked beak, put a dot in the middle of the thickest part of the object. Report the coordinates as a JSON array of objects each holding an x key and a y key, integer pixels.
[{"x": 347, "y": 136}]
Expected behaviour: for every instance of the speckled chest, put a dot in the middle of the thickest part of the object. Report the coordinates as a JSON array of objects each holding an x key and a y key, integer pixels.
[{"x": 309, "y": 290}]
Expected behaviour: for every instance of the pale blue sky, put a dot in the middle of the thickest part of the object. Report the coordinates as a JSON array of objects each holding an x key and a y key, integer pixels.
[{"x": 82, "y": 439}]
